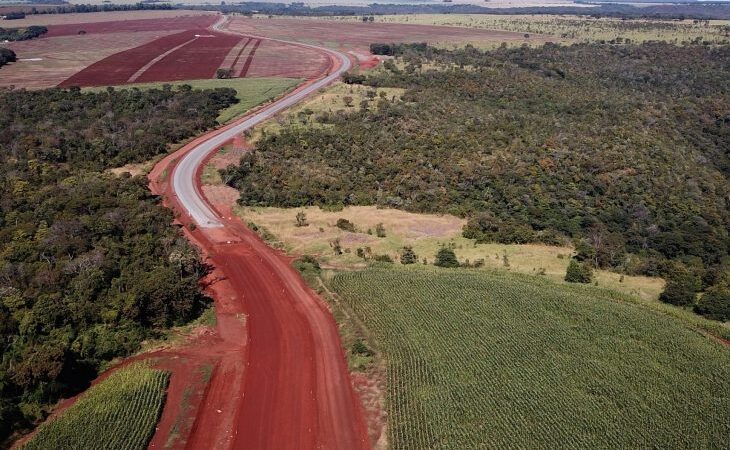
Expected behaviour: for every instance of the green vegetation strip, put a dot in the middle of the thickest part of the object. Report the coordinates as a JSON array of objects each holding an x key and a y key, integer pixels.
[
  {"x": 250, "y": 92},
  {"x": 119, "y": 413},
  {"x": 496, "y": 360}
]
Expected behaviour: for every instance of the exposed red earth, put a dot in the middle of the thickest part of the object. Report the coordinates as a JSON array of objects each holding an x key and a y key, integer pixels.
[
  {"x": 279, "y": 59},
  {"x": 187, "y": 55},
  {"x": 198, "y": 59},
  {"x": 293, "y": 390},
  {"x": 131, "y": 26},
  {"x": 359, "y": 35}
]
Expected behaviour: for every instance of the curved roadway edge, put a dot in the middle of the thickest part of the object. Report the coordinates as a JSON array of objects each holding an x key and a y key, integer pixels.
[
  {"x": 184, "y": 175},
  {"x": 283, "y": 381}
]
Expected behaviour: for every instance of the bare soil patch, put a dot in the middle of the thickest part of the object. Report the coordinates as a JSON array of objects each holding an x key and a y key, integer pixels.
[
  {"x": 112, "y": 16},
  {"x": 63, "y": 56},
  {"x": 353, "y": 35}
]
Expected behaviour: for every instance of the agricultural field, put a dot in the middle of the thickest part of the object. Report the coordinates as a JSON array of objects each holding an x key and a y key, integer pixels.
[
  {"x": 112, "y": 16},
  {"x": 190, "y": 54},
  {"x": 498, "y": 360},
  {"x": 70, "y": 47},
  {"x": 575, "y": 28},
  {"x": 359, "y": 36},
  {"x": 120, "y": 413}
]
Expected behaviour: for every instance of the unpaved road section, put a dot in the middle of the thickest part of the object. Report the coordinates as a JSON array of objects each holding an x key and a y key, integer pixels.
[{"x": 284, "y": 382}]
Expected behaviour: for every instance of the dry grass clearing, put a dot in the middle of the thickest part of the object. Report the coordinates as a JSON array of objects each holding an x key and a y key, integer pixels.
[
  {"x": 426, "y": 233},
  {"x": 572, "y": 28}
]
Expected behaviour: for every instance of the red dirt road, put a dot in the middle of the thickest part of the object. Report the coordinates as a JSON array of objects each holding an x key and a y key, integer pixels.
[{"x": 283, "y": 382}]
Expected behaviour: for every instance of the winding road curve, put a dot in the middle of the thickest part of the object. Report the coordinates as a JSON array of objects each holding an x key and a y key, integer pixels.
[
  {"x": 287, "y": 386},
  {"x": 184, "y": 176}
]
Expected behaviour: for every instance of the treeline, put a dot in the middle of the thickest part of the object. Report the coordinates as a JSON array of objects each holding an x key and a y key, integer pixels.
[
  {"x": 7, "y": 56},
  {"x": 89, "y": 264},
  {"x": 664, "y": 11},
  {"x": 22, "y": 34},
  {"x": 627, "y": 159},
  {"x": 105, "y": 7}
]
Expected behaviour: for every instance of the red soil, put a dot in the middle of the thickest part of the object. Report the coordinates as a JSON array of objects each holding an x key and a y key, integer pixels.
[
  {"x": 294, "y": 391},
  {"x": 198, "y": 60},
  {"x": 351, "y": 35},
  {"x": 119, "y": 67},
  {"x": 132, "y": 26},
  {"x": 283, "y": 60}
]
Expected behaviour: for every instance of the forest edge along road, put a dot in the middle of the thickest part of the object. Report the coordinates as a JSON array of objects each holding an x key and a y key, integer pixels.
[
  {"x": 184, "y": 185},
  {"x": 285, "y": 382}
]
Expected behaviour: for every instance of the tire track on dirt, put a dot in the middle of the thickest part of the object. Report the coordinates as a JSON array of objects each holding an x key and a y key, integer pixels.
[{"x": 249, "y": 59}]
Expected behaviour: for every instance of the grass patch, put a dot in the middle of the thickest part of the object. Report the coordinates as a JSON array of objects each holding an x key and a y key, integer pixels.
[
  {"x": 426, "y": 233},
  {"x": 251, "y": 92},
  {"x": 121, "y": 412},
  {"x": 505, "y": 360}
]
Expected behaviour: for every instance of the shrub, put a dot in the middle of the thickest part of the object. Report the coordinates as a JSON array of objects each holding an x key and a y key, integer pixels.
[
  {"x": 302, "y": 219},
  {"x": 383, "y": 258},
  {"x": 346, "y": 225},
  {"x": 446, "y": 257},
  {"x": 578, "y": 272},
  {"x": 408, "y": 256},
  {"x": 223, "y": 74},
  {"x": 359, "y": 348},
  {"x": 380, "y": 230},
  {"x": 715, "y": 303},
  {"x": 6, "y": 56}
]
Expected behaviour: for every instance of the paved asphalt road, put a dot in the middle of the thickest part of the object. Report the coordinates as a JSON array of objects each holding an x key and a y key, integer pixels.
[{"x": 183, "y": 178}]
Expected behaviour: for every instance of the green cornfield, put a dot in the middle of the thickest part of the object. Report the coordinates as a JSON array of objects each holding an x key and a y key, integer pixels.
[
  {"x": 501, "y": 360},
  {"x": 119, "y": 413}
]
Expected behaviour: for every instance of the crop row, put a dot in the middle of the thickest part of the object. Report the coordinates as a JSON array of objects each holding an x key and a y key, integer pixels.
[
  {"x": 119, "y": 413},
  {"x": 481, "y": 360}
]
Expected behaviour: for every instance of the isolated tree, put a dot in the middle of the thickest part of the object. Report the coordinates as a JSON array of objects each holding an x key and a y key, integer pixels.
[
  {"x": 223, "y": 74},
  {"x": 578, "y": 272},
  {"x": 446, "y": 257},
  {"x": 302, "y": 219},
  {"x": 408, "y": 256},
  {"x": 380, "y": 230}
]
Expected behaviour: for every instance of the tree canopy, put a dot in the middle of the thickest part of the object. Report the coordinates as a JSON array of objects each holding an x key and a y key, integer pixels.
[{"x": 89, "y": 264}]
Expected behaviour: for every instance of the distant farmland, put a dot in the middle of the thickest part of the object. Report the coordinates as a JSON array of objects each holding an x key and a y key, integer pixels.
[{"x": 480, "y": 360}]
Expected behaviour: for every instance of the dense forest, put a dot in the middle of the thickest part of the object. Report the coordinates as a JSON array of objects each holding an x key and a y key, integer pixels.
[
  {"x": 22, "y": 34},
  {"x": 628, "y": 159},
  {"x": 89, "y": 264}
]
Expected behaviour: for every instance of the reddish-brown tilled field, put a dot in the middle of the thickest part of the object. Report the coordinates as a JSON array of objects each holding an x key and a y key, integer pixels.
[
  {"x": 274, "y": 59},
  {"x": 131, "y": 26},
  {"x": 351, "y": 35}
]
